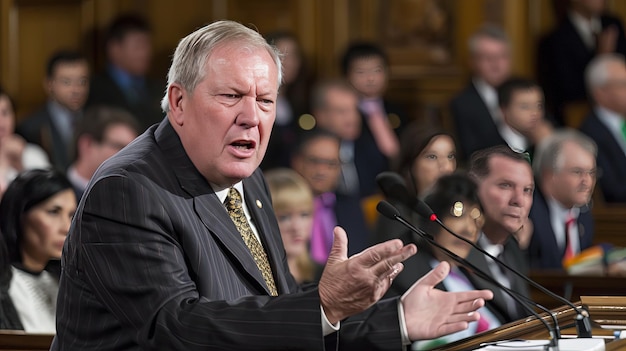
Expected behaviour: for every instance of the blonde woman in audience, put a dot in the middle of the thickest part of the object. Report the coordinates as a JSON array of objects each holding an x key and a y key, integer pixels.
[
  {"x": 293, "y": 204},
  {"x": 35, "y": 216},
  {"x": 15, "y": 153}
]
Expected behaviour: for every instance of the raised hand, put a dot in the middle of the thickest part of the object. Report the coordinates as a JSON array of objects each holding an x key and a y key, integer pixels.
[
  {"x": 351, "y": 285},
  {"x": 430, "y": 313}
]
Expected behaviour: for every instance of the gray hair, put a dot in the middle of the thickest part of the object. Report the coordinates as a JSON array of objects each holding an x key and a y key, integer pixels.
[
  {"x": 193, "y": 51},
  {"x": 488, "y": 31},
  {"x": 597, "y": 73},
  {"x": 548, "y": 155}
]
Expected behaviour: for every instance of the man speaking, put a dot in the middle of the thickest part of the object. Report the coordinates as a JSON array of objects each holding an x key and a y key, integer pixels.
[{"x": 175, "y": 245}]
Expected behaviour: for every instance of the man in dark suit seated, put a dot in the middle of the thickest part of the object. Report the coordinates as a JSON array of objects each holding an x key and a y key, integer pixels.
[
  {"x": 505, "y": 188},
  {"x": 475, "y": 109},
  {"x": 565, "y": 170},
  {"x": 103, "y": 132},
  {"x": 317, "y": 160},
  {"x": 334, "y": 104},
  {"x": 124, "y": 82},
  {"x": 606, "y": 81},
  {"x": 175, "y": 245},
  {"x": 585, "y": 31},
  {"x": 52, "y": 126}
]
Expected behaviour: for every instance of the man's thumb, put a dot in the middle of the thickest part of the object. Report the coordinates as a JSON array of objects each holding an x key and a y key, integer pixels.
[{"x": 339, "y": 251}]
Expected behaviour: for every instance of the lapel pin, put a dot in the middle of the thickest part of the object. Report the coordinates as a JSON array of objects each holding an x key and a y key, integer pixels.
[{"x": 259, "y": 204}]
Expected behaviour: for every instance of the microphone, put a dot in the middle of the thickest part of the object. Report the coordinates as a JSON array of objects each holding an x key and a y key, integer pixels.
[
  {"x": 389, "y": 211},
  {"x": 394, "y": 187}
]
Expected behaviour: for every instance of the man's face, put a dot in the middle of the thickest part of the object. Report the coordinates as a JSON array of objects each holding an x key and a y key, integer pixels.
[
  {"x": 69, "y": 84},
  {"x": 613, "y": 94},
  {"x": 368, "y": 76},
  {"x": 225, "y": 123},
  {"x": 491, "y": 61},
  {"x": 525, "y": 110},
  {"x": 319, "y": 164},
  {"x": 573, "y": 181},
  {"x": 133, "y": 53},
  {"x": 340, "y": 115},
  {"x": 115, "y": 138},
  {"x": 506, "y": 193}
]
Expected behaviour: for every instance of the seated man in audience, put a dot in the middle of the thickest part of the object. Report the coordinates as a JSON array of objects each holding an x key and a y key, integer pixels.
[
  {"x": 124, "y": 82},
  {"x": 103, "y": 132},
  {"x": 522, "y": 108},
  {"x": 317, "y": 160},
  {"x": 475, "y": 110},
  {"x": 606, "y": 82},
  {"x": 585, "y": 31},
  {"x": 52, "y": 126},
  {"x": 335, "y": 107},
  {"x": 505, "y": 188},
  {"x": 366, "y": 67},
  {"x": 565, "y": 170}
]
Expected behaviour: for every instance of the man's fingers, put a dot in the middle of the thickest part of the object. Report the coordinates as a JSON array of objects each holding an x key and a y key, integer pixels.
[
  {"x": 436, "y": 275},
  {"x": 339, "y": 250},
  {"x": 386, "y": 263}
]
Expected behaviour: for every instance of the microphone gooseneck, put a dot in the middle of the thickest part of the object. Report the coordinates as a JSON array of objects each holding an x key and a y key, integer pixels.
[{"x": 389, "y": 211}]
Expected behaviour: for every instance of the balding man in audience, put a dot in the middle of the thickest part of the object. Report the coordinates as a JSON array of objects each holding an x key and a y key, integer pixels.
[
  {"x": 565, "y": 170},
  {"x": 606, "y": 82},
  {"x": 475, "y": 110}
]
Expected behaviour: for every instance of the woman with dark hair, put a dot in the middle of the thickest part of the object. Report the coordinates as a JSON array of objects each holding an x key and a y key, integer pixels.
[
  {"x": 8, "y": 314},
  {"x": 426, "y": 153},
  {"x": 35, "y": 215},
  {"x": 15, "y": 153},
  {"x": 454, "y": 198}
]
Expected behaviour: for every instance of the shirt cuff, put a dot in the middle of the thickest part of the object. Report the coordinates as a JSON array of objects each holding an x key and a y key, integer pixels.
[
  {"x": 327, "y": 327},
  {"x": 403, "y": 330}
]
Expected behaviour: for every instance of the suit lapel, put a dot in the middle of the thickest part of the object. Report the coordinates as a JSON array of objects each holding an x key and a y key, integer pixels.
[
  {"x": 211, "y": 213},
  {"x": 258, "y": 204}
]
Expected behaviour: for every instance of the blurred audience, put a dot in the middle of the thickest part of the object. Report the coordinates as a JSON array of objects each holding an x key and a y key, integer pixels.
[
  {"x": 505, "y": 188},
  {"x": 335, "y": 107},
  {"x": 316, "y": 159},
  {"x": 366, "y": 66},
  {"x": 292, "y": 200},
  {"x": 16, "y": 154},
  {"x": 35, "y": 216},
  {"x": 606, "y": 81},
  {"x": 584, "y": 32},
  {"x": 522, "y": 107},
  {"x": 565, "y": 170},
  {"x": 8, "y": 314},
  {"x": 475, "y": 110},
  {"x": 292, "y": 104},
  {"x": 52, "y": 125},
  {"x": 124, "y": 83},
  {"x": 103, "y": 132}
]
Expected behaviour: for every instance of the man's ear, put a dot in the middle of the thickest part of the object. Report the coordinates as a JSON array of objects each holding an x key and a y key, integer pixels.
[{"x": 175, "y": 95}]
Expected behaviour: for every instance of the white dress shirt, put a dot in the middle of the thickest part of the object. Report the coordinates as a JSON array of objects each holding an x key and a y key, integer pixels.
[
  {"x": 587, "y": 29},
  {"x": 613, "y": 121},
  {"x": 558, "y": 217}
]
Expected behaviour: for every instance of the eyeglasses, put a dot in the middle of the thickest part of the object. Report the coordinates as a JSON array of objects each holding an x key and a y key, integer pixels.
[{"x": 580, "y": 173}]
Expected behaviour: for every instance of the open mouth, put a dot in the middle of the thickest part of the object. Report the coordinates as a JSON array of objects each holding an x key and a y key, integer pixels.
[{"x": 244, "y": 145}]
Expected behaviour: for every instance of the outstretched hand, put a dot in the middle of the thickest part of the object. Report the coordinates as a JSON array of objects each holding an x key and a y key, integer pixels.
[
  {"x": 351, "y": 285},
  {"x": 430, "y": 313}
]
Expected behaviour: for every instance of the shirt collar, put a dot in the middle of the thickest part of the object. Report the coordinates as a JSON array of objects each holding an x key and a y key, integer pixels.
[
  {"x": 586, "y": 28},
  {"x": 513, "y": 138},
  {"x": 493, "y": 249},
  {"x": 556, "y": 209},
  {"x": 222, "y": 193},
  {"x": 123, "y": 78},
  {"x": 612, "y": 119}
]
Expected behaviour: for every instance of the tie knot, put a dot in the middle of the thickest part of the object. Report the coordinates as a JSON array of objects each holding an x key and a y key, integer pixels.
[
  {"x": 233, "y": 200},
  {"x": 371, "y": 106}
]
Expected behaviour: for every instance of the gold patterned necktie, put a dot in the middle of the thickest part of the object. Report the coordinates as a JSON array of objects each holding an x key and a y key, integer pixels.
[{"x": 235, "y": 210}]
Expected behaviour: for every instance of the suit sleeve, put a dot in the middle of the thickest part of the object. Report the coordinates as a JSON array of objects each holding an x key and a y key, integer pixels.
[{"x": 135, "y": 265}]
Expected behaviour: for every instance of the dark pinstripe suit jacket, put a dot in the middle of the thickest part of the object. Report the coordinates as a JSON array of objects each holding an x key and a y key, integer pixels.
[{"x": 153, "y": 261}]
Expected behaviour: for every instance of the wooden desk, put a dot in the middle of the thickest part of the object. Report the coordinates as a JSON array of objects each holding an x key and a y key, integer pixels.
[
  {"x": 12, "y": 340},
  {"x": 572, "y": 287}
]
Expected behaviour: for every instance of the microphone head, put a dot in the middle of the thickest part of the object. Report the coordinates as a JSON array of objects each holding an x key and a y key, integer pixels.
[
  {"x": 394, "y": 187},
  {"x": 387, "y": 210},
  {"x": 425, "y": 211}
]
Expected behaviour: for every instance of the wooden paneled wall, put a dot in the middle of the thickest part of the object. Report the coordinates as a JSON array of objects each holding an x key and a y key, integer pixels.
[{"x": 426, "y": 39}]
